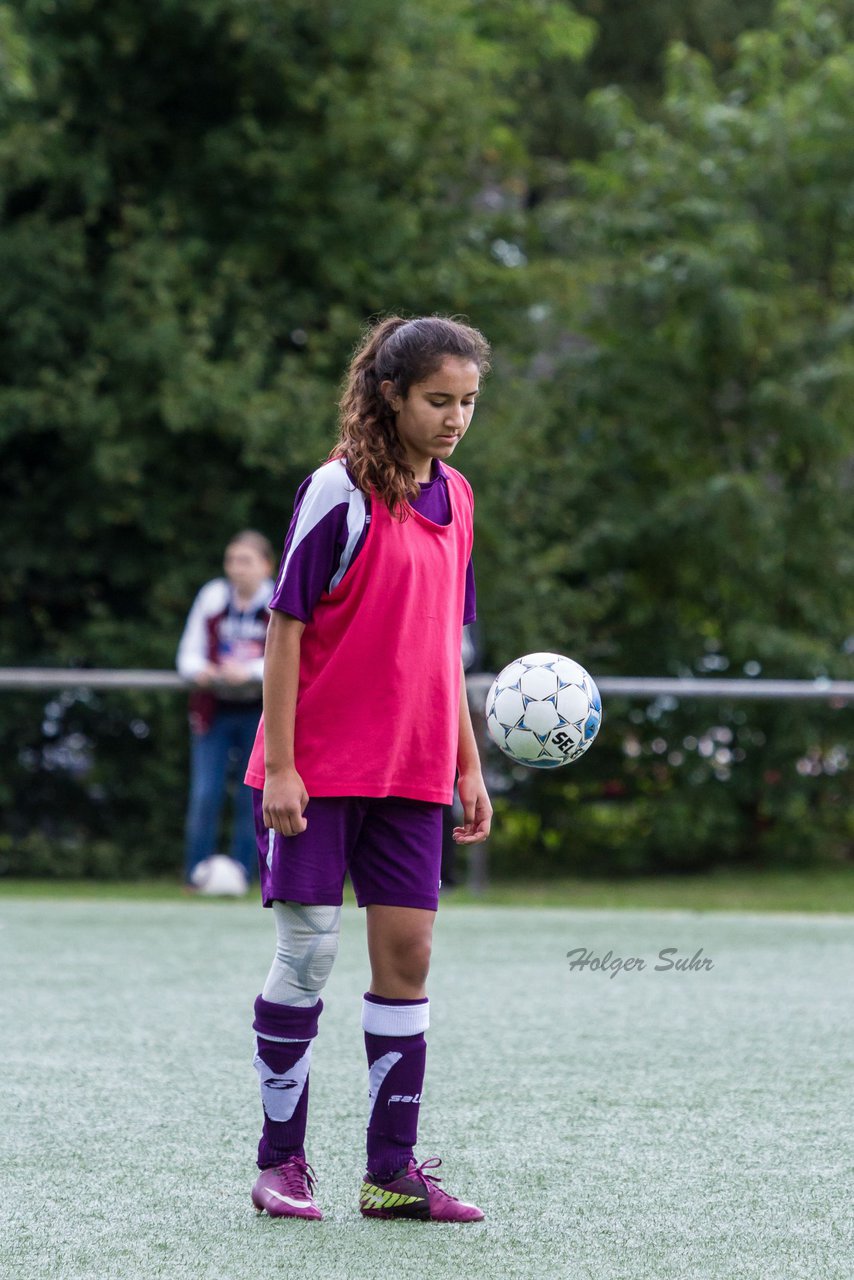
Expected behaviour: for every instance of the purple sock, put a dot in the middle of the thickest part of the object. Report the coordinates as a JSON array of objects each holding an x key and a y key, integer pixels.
[
  {"x": 282, "y": 1059},
  {"x": 396, "y": 1049}
]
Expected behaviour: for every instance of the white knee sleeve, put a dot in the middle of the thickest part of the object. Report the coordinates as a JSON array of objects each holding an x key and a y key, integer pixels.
[{"x": 306, "y": 947}]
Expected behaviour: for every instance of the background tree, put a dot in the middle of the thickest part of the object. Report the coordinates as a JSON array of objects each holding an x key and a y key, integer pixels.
[
  {"x": 686, "y": 500},
  {"x": 204, "y": 202}
]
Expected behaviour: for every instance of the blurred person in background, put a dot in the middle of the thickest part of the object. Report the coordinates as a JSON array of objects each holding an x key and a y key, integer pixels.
[{"x": 221, "y": 655}]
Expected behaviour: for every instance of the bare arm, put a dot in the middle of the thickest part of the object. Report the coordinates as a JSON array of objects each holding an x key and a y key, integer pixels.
[
  {"x": 285, "y": 797},
  {"x": 477, "y": 810}
]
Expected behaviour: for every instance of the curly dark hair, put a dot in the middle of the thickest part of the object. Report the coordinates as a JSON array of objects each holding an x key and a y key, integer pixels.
[{"x": 403, "y": 352}]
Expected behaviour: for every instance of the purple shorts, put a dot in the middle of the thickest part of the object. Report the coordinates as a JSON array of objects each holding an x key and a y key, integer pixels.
[{"x": 391, "y": 847}]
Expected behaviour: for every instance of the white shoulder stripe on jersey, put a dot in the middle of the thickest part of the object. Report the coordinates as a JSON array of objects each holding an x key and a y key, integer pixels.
[
  {"x": 356, "y": 516},
  {"x": 330, "y": 488}
]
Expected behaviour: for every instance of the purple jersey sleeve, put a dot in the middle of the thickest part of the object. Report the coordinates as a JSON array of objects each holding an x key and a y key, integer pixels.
[
  {"x": 470, "y": 606},
  {"x": 326, "y": 532}
]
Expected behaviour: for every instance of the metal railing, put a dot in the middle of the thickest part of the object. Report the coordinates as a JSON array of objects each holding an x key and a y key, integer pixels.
[
  {"x": 819, "y": 690},
  {"x": 86, "y": 678}
]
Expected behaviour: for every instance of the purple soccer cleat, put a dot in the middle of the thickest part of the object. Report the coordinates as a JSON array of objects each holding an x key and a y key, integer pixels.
[
  {"x": 414, "y": 1193},
  {"x": 285, "y": 1191}
]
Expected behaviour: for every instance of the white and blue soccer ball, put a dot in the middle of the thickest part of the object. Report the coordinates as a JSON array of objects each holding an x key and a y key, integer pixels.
[{"x": 543, "y": 710}]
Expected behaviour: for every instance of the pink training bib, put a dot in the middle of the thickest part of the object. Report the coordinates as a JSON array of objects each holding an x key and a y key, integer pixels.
[{"x": 379, "y": 690}]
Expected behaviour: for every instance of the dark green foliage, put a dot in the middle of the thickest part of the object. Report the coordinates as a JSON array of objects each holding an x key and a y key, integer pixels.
[
  {"x": 691, "y": 511},
  {"x": 203, "y": 203},
  {"x": 684, "y": 789},
  {"x": 97, "y": 773}
]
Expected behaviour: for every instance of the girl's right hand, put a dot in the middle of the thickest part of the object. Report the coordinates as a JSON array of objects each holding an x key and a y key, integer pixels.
[{"x": 285, "y": 799}]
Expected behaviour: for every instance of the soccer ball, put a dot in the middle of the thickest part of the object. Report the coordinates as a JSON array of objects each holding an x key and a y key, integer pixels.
[
  {"x": 219, "y": 877},
  {"x": 543, "y": 710}
]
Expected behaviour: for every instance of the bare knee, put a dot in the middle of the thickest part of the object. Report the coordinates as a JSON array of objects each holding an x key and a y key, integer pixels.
[
  {"x": 399, "y": 943},
  {"x": 402, "y": 963},
  {"x": 412, "y": 958}
]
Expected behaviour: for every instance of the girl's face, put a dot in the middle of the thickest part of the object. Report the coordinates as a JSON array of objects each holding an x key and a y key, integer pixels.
[
  {"x": 435, "y": 415},
  {"x": 245, "y": 567}
]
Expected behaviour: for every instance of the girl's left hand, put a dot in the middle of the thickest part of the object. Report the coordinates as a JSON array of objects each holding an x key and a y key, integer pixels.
[{"x": 477, "y": 810}]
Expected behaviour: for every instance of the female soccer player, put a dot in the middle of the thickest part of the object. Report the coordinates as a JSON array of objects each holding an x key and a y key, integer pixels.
[{"x": 365, "y": 723}]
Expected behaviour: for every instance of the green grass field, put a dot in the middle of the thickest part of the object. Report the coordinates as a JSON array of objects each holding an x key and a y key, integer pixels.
[
  {"x": 826, "y": 888},
  {"x": 654, "y": 1125}
]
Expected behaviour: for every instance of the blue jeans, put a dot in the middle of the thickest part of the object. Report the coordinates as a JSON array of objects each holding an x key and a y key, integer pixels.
[{"x": 221, "y": 752}]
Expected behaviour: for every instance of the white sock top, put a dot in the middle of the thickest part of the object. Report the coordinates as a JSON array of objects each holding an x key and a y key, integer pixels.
[{"x": 395, "y": 1019}]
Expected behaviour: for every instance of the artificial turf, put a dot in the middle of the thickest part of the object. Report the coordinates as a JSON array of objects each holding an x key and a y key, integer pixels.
[
  {"x": 651, "y": 1125},
  {"x": 827, "y": 887}
]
